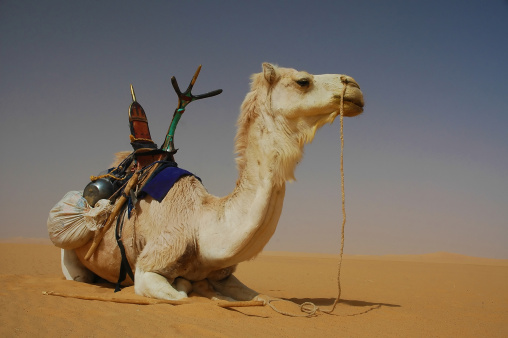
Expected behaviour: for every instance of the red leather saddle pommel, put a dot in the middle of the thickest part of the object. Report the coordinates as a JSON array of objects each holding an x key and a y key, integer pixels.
[{"x": 138, "y": 123}]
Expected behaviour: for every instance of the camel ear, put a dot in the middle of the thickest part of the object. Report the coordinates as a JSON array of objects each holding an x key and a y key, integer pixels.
[{"x": 270, "y": 72}]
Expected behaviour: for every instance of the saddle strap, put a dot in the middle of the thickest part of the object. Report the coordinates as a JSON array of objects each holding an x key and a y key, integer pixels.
[{"x": 125, "y": 267}]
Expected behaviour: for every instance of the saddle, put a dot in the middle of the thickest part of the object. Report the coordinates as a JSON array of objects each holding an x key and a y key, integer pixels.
[{"x": 127, "y": 182}]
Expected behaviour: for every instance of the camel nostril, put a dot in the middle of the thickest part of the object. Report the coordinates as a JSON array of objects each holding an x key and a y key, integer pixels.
[{"x": 349, "y": 81}]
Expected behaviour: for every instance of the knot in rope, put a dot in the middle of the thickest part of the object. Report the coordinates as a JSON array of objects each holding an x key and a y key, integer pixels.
[{"x": 310, "y": 309}]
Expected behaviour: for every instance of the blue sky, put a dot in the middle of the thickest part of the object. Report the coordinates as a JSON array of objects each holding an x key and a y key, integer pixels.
[{"x": 426, "y": 165}]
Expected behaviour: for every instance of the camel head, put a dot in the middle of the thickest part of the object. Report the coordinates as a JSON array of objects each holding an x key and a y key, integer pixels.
[
  {"x": 300, "y": 94},
  {"x": 286, "y": 107},
  {"x": 303, "y": 102}
]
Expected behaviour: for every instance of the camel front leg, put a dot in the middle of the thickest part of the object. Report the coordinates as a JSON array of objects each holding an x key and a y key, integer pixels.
[
  {"x": 204, "y": 289},
  {"x": 231, "y": 287},
  {"x": 153, "y": 285}
]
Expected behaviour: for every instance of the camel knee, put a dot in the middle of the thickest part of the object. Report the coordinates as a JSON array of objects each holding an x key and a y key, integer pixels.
[{"x": 221, "y": 274}]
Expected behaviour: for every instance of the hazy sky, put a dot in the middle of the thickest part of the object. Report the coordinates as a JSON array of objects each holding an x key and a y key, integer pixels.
[{"x": 426, "y": 165}]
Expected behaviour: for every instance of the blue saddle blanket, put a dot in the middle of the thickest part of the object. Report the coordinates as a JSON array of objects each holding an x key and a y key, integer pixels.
[{"x": 159, "y": 185}]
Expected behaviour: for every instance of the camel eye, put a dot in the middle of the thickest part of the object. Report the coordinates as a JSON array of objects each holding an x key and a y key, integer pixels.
[{"x": 303, "y": 82}]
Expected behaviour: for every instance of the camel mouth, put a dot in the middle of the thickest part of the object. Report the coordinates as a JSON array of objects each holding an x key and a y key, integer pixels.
[
  {"x": 353, "y": 106},
  {"x": 353, "y": 99},
  {"x": 355, "y": 102}
]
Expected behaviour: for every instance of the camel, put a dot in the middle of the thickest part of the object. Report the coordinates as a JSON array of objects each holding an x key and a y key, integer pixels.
[{"x": 192, "y": 240}]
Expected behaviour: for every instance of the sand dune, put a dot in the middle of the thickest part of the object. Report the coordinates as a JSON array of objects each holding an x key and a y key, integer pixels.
[{"x": 441, "y": 294}]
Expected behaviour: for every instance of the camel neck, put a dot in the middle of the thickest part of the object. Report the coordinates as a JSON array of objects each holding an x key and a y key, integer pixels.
[
  {"x": 251, "y": 212},
  {"x": 259, "y": 194}
]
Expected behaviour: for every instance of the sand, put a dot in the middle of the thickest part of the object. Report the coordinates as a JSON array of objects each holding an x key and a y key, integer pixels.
[{"x": 439, "y": 295}]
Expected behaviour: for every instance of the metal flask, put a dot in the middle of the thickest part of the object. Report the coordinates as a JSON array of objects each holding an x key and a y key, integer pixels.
[{"x": 97, "y": 190}]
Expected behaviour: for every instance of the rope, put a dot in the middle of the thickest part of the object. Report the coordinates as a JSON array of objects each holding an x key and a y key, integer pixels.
[
  {"x": 223, "y": 304},
  {"x": 339, "y": 289},
  {"x": 117, "y": 300},
  {"x": 310, "y": 309},
  {"x": 95, "y": 178},
  {"x": 134, "y": 139},
  {"x": 119, "y": 169}
]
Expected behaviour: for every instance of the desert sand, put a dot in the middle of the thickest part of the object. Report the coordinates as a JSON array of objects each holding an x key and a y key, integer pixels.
[{"x": 438, "y": 295}]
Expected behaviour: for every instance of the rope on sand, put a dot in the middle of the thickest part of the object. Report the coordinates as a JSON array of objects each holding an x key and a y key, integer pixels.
[{"x": 223, "y": 304}]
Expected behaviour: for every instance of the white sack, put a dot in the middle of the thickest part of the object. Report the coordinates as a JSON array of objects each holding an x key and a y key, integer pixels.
[{"x": 72, "y": 220}]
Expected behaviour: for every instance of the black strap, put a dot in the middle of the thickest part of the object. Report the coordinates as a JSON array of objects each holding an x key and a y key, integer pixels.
[
  {"x": 168, "y": 154},
  {"x": 143, "y": 145},
  {"x": 125, "y": 268}
]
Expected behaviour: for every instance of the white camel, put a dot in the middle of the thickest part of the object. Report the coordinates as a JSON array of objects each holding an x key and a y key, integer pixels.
[{"x": 193, "y": 240}]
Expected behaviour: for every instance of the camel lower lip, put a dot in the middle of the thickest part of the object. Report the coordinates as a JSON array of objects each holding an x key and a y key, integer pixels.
[
  {"x": 351, "y": 100},
  {"x": 352, "y": 109},
  {"x": 356, "y": 104}
]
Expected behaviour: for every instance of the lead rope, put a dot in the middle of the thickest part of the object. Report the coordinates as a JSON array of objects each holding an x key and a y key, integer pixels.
[
  {"x": 343, "y": 79},
  {"x": 310, "y": 309}
]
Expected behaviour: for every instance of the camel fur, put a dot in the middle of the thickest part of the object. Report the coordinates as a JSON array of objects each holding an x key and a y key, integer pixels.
[{"x": 193, "y": 240}]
